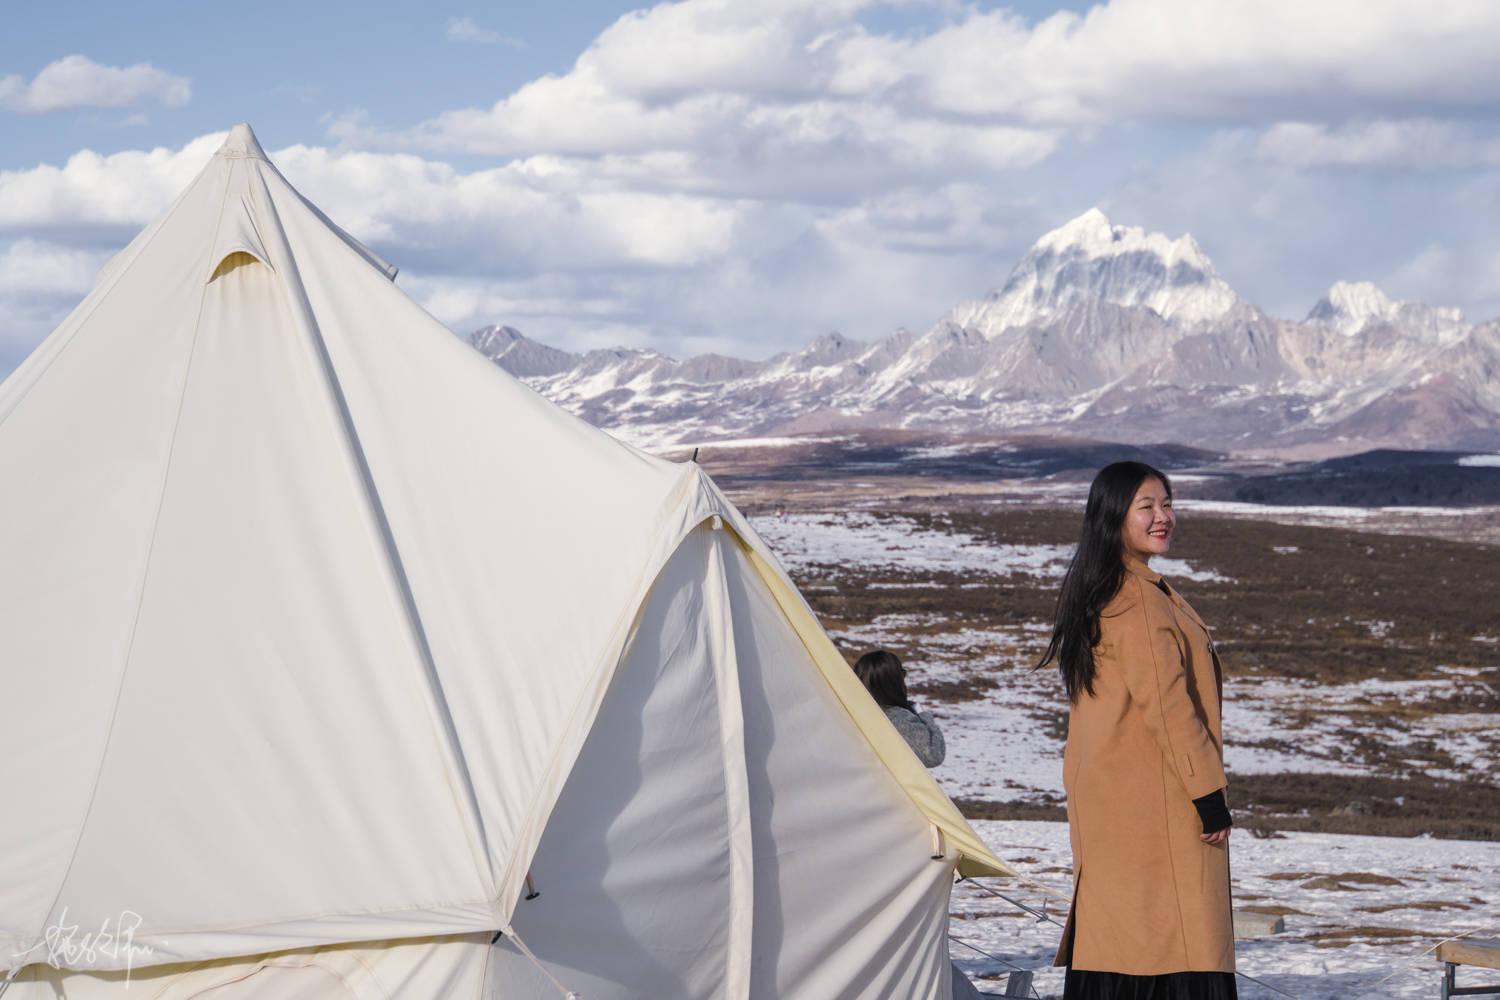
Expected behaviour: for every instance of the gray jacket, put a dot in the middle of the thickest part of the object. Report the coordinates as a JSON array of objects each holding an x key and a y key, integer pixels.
[{"x": 921, "y": 733}]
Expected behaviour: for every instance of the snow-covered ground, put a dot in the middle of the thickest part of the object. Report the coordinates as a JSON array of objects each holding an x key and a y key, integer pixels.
[
  {"x": 1002, "y": 746},
  {"x": 857, "y": 538},
  {"x": 1362, "y": 915}
]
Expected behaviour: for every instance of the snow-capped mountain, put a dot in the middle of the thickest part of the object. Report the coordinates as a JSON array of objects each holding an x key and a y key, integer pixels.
[
  {"x": 1090, "y": 260},
  {"x": 1102, "y": 330},
  {"x": 1350, "y": 306}
]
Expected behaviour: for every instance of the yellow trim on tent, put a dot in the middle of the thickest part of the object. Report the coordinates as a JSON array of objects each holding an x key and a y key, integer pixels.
[{"x": 973, "y": 857}]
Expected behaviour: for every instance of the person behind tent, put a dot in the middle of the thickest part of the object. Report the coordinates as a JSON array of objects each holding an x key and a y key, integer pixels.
[
  {"x": 1144, "y": 766},
  {"x": 882, "y": 674},
  {"x": 884, "y": 677}
]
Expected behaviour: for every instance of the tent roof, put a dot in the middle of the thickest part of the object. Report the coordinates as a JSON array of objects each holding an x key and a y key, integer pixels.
[{"x": 307, "y": 607}]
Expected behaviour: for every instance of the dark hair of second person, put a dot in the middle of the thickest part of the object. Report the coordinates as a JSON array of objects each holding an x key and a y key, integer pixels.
[{"x": 882, "y": 674}]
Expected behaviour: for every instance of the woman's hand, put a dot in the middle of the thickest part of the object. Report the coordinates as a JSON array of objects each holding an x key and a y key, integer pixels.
[{"x": 1213, "y": 812}]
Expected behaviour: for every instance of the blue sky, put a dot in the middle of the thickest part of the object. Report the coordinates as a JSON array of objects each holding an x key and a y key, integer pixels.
[{"x": 743, "y": 175}]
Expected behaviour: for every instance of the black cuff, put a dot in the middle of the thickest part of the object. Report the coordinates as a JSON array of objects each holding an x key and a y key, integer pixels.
[{"x": 1213, "y": 812}]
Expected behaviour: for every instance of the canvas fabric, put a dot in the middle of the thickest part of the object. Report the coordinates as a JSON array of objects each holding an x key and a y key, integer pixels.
[{"x": 308, "y": 612}]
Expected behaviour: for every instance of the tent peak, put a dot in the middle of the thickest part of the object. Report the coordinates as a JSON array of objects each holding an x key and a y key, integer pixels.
[{"x": 241, "y": 144}]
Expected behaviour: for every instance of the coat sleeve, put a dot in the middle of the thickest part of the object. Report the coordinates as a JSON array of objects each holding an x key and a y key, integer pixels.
[{"x": 1151, "y": 653}]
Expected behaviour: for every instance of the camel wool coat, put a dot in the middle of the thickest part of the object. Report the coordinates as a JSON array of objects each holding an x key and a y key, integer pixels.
[{"x": 1149, "y": 897}]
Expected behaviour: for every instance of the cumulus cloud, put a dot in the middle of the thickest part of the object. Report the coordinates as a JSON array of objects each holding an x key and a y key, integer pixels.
[
  {"x": 680, "y": 76},
  {"x": 464, "y": 29},
  {"x": 797, "y": 101},
  {"x": 548, "y": 213},
  {"x": 122, "y": 189},
  {"x": 43, "y": 268},
  {"x": 1189, "y": 60},
  {"x": 40, "y": 281},
  {"x": 526, "y": 215},
  {"x": 737, "y": 99},
  {"x": 727, "y": 144},
  {"x": 1420, "y": 144},
  {"x": 77, "y": 81},
  {"x": 741, "y": 176},
  {"x": 544, "y": 230}
]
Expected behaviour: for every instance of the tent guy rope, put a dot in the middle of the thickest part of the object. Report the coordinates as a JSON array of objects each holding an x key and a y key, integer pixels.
[{"x": 567, "y": 994}]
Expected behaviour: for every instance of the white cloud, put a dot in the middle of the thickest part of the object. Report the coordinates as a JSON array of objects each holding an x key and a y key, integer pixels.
[
  {"x": 734, "y": 98},
  {"x": 464, "y": 29},
  {"x": 547, "y": 213},
  {"x": 575, "y": 312},
  {"x": 1469, "y": 273},
  {"x": 577, "y": 256},
  {"x": 796, "y": 101},
  {"x": 696, "y": 75},
  {"x": 737, "y": 176},
  {"x": 1191, "y": 60},
  {"x": 77, "y": 81},
  {"x": 42, "y": 268},
  {"x": 535, "y": 215},
  {"x": 122, "y": 189},
  {"x": 40, "y": 282},
  {"x": 728, "y": 144},
  {"x": 1419, "y": 144}
]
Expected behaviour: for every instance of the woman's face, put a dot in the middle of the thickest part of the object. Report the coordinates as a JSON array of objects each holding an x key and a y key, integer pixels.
[{"x": 1148, "y": 525}]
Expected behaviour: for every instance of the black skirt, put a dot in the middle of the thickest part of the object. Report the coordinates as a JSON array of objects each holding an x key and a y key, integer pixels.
[{"x": 1084, "y": 984}]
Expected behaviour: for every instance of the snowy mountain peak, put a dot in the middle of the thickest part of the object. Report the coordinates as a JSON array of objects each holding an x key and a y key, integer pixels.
[
  {"x": 1092, "y": 230},
  {"x": 1089, "y": 259},
  {"x": 1350, "y": 305},
  {"x": 1360, "y": 298},
  {"x": 1093, "y": 235}
]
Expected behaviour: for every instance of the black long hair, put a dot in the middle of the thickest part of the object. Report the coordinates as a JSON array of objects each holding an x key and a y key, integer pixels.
[
  {"x": 882, "y": 674},
  {"x": 1095, "y": 573}
]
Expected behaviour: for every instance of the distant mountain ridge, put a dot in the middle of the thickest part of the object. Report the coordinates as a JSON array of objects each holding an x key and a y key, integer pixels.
[{"x": 1100, "y": 330}]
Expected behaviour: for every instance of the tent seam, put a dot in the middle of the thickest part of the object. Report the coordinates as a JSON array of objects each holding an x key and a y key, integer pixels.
[
  {"x": 615, "y": 653},
  {"x": 437, "y": 698},
  {"x": 767, "y": 569},
  {"x": 739, "y": 824},
  {"x": 135, "y": 623}
]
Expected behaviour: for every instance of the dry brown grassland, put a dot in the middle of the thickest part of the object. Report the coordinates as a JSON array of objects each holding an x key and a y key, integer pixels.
[{"x": 1300, "y": 601}]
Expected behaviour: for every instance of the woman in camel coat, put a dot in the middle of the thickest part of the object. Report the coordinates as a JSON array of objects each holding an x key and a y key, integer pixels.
[{"x": 1143, "y": 768}]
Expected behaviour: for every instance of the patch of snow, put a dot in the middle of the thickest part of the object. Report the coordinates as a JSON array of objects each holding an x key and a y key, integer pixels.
[
  {"x": 1181, "y": 568},
  {"x": 946, "y": 450},
  {"x": 765, "y": 442},
  {"x": 857, "y": 539},
  {"x": 1363, "y": 939},
  {"x": 1270, "y": 511}
]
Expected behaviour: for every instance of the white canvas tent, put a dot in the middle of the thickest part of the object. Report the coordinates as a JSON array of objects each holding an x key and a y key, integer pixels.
[{"x": 319, "y": 633}]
